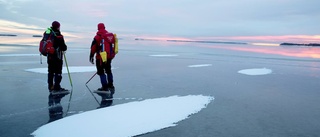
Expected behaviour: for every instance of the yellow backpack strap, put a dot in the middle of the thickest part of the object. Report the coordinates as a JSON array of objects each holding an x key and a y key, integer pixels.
[{"x": 116, "y": 44}]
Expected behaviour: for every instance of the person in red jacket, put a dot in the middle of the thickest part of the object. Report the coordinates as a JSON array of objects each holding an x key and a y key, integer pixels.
[{"x": 104, "y": 41}]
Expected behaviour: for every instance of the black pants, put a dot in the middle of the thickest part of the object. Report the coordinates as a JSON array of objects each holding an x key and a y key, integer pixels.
[
  {"x": 102, "y": 69},
  {"x": 54, "y": 73}
]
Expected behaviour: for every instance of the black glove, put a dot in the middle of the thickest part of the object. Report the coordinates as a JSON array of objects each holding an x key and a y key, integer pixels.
[{"x": 91, "y": 60}]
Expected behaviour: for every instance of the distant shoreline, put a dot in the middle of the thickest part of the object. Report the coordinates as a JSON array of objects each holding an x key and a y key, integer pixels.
[
  {"x": 14, "y": 35},
  {"x": 194, "y": 41},
  {"x": 225, "y": 42},
  {"x": 36, "y": 35},
  {"x": 296, "y": 44},
  {"x": 8, "y": 35}
]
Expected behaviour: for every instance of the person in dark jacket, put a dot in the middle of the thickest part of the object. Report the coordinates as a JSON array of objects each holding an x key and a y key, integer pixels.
[
  {"x": 103, "y": 41},
  {"x": 55, "y": 61}
]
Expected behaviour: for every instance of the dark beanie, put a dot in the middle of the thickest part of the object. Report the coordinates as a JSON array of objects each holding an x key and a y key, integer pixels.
[{"x": 55, "y": 24}]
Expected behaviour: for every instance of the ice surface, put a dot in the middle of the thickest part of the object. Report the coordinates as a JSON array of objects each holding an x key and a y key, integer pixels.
[
  {"x": 164, "y": 55},
  {"x": 130, "y": 119}
]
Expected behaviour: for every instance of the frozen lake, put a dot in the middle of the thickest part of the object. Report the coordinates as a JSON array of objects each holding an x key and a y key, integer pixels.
[{"x": 257, "y": 90}]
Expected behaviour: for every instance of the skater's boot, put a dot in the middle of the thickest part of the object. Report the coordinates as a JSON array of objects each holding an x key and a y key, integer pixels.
[
  {"x": 111, "y": 88},
  {"x": 103, "y": 88}
]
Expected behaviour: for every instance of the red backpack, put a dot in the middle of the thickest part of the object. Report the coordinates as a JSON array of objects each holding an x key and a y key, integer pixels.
[
  {"x": 107, "y": 44},
  {"x": 46, "y": 44}
]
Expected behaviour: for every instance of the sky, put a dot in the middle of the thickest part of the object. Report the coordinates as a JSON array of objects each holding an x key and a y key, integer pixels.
[{"x": 237, "y": 20}]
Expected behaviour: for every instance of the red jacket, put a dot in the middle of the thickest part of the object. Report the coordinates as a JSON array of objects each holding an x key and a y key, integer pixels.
[{"x": 109, "y": 44}]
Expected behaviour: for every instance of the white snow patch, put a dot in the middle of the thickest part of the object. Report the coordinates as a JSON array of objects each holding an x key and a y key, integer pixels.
[
  {"x": 255, "y": 71},
  {"x": 199, "y": 65},
  {"x": 130, "y": 119},
  {"x": 19, "y": 62},
  {"x": 74, "y": 69},
  {"x": 18, "y": 55},
  {"x": 164, "y": 55}
]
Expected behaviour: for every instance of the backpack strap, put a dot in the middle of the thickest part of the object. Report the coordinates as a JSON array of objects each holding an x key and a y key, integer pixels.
[
  {"x": 50, "y": 31},
  {"x": 101, "y": 44}
]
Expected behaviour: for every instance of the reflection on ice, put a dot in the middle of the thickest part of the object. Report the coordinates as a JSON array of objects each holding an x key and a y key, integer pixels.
[{"x": 55, "y": 108}]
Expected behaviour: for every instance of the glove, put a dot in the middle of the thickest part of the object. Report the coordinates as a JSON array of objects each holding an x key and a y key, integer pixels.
[{"x": 91, "y": 60}]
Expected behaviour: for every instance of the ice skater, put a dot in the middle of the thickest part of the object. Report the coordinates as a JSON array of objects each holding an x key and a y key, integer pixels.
[
  {"x": 55, "y": 59},
  {"x": 104, "y": 46}
]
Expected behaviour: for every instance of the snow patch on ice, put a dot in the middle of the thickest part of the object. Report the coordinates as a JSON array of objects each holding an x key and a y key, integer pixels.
[
  {"x": 199, "y": 65},
  {"x": 72, "y": 69},
  {"x": 255, "y": 71},
  {"x": 130, "y": 119},
  {"x": 164, "y": 55},
  {"x": 18, "y": 55}
]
